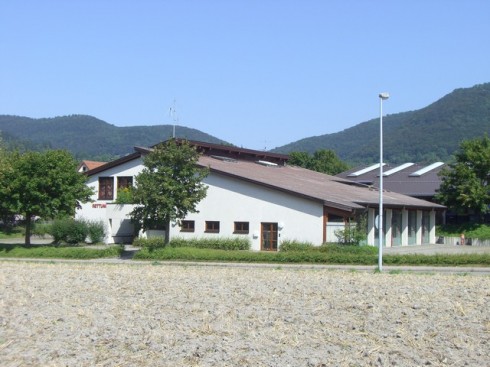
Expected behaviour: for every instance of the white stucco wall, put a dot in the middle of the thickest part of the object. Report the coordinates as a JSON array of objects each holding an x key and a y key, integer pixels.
[
  {"x": 103, "y": 210},
  {"x": 230, "y": 200}
]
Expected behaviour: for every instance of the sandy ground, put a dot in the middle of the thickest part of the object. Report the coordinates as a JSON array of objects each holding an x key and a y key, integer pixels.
[{"x": 72, "y": 314}]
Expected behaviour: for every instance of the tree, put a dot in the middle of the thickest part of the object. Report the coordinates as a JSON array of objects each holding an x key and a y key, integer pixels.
[
  {"x": 43, "y": 184},
  {"x": 169, "y": 187},
  {"x": 301, "y": 159},
  {"x": 6, "y": 216},
  {"x": 465, "y": 183},
  {"x": 323, "y": 160}
]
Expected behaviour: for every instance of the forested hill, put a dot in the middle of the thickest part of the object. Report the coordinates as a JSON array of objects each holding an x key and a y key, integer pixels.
[
  {"x": 430, "y": 134},
  {"x": 88, "y": 137}
]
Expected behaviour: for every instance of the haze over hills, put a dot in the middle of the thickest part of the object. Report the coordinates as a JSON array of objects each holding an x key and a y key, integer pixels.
[{"x": 430, "y": 134}]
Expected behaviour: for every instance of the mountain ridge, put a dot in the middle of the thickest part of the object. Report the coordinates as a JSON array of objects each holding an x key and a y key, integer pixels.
[
  {"x": 425, "y": 135},
  {"x": 88, "y": 137},
  {"x": 432, "y": 133}
]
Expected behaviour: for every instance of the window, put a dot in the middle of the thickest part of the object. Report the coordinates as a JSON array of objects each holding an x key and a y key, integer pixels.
[
  {"x": 187, "y": 226},
  {"x": 241, "y": 227},
  {"x": 212, "y": 226},
  {"x": 124, "y": 182},
  {"x": 106, "y": 188}
]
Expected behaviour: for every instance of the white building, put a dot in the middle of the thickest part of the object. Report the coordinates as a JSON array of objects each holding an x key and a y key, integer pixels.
[{"x": 258, "y": 195}]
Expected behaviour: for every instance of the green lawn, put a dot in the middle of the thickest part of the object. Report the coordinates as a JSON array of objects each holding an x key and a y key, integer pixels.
[
  {"x": 336, "y": 255},
  {"x": 54, "y": 252},
  {"x": 14, "y": 233}
]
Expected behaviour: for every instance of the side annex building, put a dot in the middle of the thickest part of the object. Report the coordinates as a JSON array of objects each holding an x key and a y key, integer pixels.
[{"x": 257, "y": 195}]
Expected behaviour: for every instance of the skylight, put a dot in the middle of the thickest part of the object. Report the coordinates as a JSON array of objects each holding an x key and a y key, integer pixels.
[
  {"x": 424, "y": 170},
  {"x": 267, "y": 163},
  {"x": 223, "y": 158},
  {"x": 397, "y": 169},
  {"x": 364, "y": 170}
]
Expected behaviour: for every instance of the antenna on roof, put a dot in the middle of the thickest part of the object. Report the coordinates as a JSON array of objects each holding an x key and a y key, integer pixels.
[{"x": 173, "y": 115}]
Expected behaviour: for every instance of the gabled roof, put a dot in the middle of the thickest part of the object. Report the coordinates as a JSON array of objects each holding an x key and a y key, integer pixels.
[
  {"x": 116, "y": 162},
  {"x": 331, "y": 190},
  {"x": 205, "y": 149},
  {"x": 270, "y": 170},
  {"x": 85, "y": 165},
  {"x": 410, "y": 179},
  {"x": 237, "y": 153}
]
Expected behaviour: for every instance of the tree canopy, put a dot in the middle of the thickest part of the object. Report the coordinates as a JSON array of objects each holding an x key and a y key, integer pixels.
[
  {"x": 323, "y": 160},
  {"x": 465, "y": 183},
  {"x": 42, "y": 184},
  {"x": 169, "y": 187}
]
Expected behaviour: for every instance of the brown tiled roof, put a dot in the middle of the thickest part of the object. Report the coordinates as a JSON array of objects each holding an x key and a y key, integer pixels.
[
  {"x": 90, "y": 165},
  {"x": 93, "y": 164},
  {"x": 330, "y": 190},
  {"x": 273, "y": 172}
]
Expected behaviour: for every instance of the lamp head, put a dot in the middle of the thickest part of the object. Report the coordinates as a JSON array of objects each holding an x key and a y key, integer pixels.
[{"x": 384, "y": 95}]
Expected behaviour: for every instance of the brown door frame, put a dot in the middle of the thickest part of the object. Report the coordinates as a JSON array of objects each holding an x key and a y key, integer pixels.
[{"x": 272, "y": 228}]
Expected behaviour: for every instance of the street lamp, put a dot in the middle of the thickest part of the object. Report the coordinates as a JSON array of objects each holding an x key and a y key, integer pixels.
[{"x": 382, "y": 97}]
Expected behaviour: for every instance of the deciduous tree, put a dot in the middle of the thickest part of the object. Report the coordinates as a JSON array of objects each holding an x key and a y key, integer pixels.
[
  {"x": 169, "y": 187},
  {"x": 43, "y": 184},
  {"x": 323, "y": 160},
  {"x": 465, "y": 183}
]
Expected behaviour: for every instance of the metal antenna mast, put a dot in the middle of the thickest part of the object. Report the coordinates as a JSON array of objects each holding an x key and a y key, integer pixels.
[{"x": 173, "y": 115}]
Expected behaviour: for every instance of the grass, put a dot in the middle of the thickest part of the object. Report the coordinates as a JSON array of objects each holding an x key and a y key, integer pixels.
[
  {"x": 16, "y": 232},
  {"x": 227, "y": 252},
  {"x": 54, "y": 252},
  {"x": 334, "y": 255}
]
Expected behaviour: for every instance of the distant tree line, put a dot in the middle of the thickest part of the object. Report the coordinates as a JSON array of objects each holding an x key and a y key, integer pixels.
[{"x": 323, "y": 160}]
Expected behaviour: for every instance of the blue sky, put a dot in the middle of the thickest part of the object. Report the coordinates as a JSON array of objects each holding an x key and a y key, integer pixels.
[{"x": 256, "y": 73}]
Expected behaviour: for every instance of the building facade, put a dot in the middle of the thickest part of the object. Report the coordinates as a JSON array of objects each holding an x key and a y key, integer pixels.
[{"x": 258, "y": 196}]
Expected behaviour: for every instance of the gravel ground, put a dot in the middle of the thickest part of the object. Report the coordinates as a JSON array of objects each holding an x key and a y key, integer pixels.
[{"x": 72, "y": 314}]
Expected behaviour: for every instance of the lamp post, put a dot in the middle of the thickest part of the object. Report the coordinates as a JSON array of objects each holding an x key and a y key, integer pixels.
[{"x": 382, "y": 97}]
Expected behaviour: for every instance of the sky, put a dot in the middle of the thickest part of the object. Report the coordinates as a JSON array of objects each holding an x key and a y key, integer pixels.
[{"x": 256, "y": 73}]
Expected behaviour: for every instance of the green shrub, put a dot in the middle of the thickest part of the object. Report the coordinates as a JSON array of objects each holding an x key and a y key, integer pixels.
[
  {"x": 348, "y": 249},
  {"x": 299, "y": 257},
  {"x": 150, "y": 244},
  {"x": 293, "y": 245},
  {"x": 96, "y": 231},
  {"x": 68, "y": 230},
  {"x": 351, "y": 235},
  {"x": 125, "y": 196},
  {"x": 231, "y": 243},
  {"x": 310, "y": 257},
  {"x": 471, "y": 230},
  {"x": 41, "y": 229}
]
